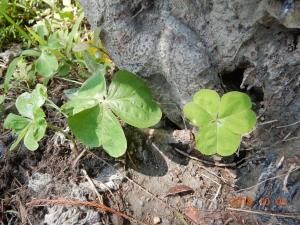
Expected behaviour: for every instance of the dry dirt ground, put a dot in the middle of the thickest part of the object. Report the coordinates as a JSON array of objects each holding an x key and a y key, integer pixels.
[{"x": 158, "y": 181}]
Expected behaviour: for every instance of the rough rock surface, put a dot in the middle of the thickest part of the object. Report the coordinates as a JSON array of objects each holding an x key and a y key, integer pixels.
[{"x": 180, "y": 46}]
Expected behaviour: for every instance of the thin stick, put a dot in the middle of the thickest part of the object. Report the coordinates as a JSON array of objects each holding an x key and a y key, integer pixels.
[
  {"x": 218, "y": 191},
  {"x": 92, "y": 186},
  {"x": 207, "y": 162},
  {"x": 267, "y": 122},
  {"x": 78, "y": 158},
  {"x": 292, "y": 124},
  {"x": 286, "y": 136},
  {"x": 290, "y": 215},
  {"x": 61, "y": 201},
  {"x": 272, "y": 178},
  {"x": 69, "y": 80},
  {"x": 292, "y": 138},
  {"x": 285, "y": 189}
]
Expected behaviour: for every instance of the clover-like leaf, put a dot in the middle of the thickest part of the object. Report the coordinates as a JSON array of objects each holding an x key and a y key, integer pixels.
[
  {"x": 26, "y": 103},
  {"x": 32, "y": 124},
  {"x": 98, "y": 126},
  {"x": 131, "y": 100},
  {"x": 46, "y": 64},
  {"x": 91, "y": 110},
  {"x": 222, "y": 121}
]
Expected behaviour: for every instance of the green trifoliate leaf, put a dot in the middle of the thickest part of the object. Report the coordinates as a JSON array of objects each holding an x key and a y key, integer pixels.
[
  {"x": 98, "y": 126},
  {"x": 90, "y": 116},
  {"x": 32, "y": 124},
  {"x": 131, "y": 100},
  {"x": 222, "y": 122},
  {"x": 46, "y": 64},
  {"x": 26, "y": 103}
]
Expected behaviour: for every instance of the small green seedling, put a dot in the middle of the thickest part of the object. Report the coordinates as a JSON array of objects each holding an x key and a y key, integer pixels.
[
  {"x": 31, "y": 124},
  {"x": 93, "y": 109},
  {"x": 222, "y": 121}
]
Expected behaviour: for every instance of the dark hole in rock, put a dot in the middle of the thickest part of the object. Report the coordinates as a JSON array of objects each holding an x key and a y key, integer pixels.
[
  {"x": 231, "y": 81},
  {"x": 168, "y": 124},
  {"x": 257, "y": 97}
]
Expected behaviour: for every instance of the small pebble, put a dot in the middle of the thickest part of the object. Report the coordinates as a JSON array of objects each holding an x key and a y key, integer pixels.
[{"x": 156, "y": 220}]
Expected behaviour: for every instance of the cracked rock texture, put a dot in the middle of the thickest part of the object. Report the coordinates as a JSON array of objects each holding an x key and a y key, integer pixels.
[{"x": 180, "y": 46}]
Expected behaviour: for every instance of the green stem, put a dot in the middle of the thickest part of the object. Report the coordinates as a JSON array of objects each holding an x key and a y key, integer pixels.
[
  {"x": 58, "y": 129},
  {"x": 69, "y": 80},
  {"x": 52, "y": 104}
]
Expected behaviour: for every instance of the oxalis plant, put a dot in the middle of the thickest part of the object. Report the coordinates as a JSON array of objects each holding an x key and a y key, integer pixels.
[
  {"x": 31, "y": 123},
  {"x": 91, "y": 112},
  {"x": 93, "y": 109},
  {"x": 222, "y": 121}
]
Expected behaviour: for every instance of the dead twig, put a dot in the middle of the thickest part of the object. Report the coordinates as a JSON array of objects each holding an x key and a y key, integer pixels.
[
  {"x": 267, "y": 122},
  {"x": 289, "y": 139},
  {"x": 286, "y": 136},
  {"x": 289, "y": 215},
  {"x": 92, "y": 186},
  {"x": 285, "y": 189},
  {"x": 207, "y": 162},
  {"x": 62, "y": 201},
  {"x": 214, "y": 199},
  {"x": 292, "y": 124},
  {"x": 78, "y": 158}
]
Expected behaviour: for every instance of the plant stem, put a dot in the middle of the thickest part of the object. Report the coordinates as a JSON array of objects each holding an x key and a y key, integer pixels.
[
  {"x": 53, "y": 105},
  {"x": 69, "y": 80},
  {"x": 58, "y": 129}
]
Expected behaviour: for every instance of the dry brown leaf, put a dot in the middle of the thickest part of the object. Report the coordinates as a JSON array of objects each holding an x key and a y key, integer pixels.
[{"x": 179, "y": 189}]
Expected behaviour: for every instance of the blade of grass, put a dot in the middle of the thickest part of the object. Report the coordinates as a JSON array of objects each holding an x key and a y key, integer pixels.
[
  {"x": 40, "y": 40},
  {"x": 73, "y": 33},
  {"x": 10, "y": 71},
  {"x": 19, "y": 29}
]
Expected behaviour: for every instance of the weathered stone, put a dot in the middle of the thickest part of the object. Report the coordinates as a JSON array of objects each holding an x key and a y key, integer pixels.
[{"x": 180, "y": 46}]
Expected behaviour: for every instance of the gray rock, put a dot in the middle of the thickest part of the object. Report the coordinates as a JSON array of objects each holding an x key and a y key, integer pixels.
[
  {"x": 39, "y": 181},
  {"x": 180, "y": 46}
]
